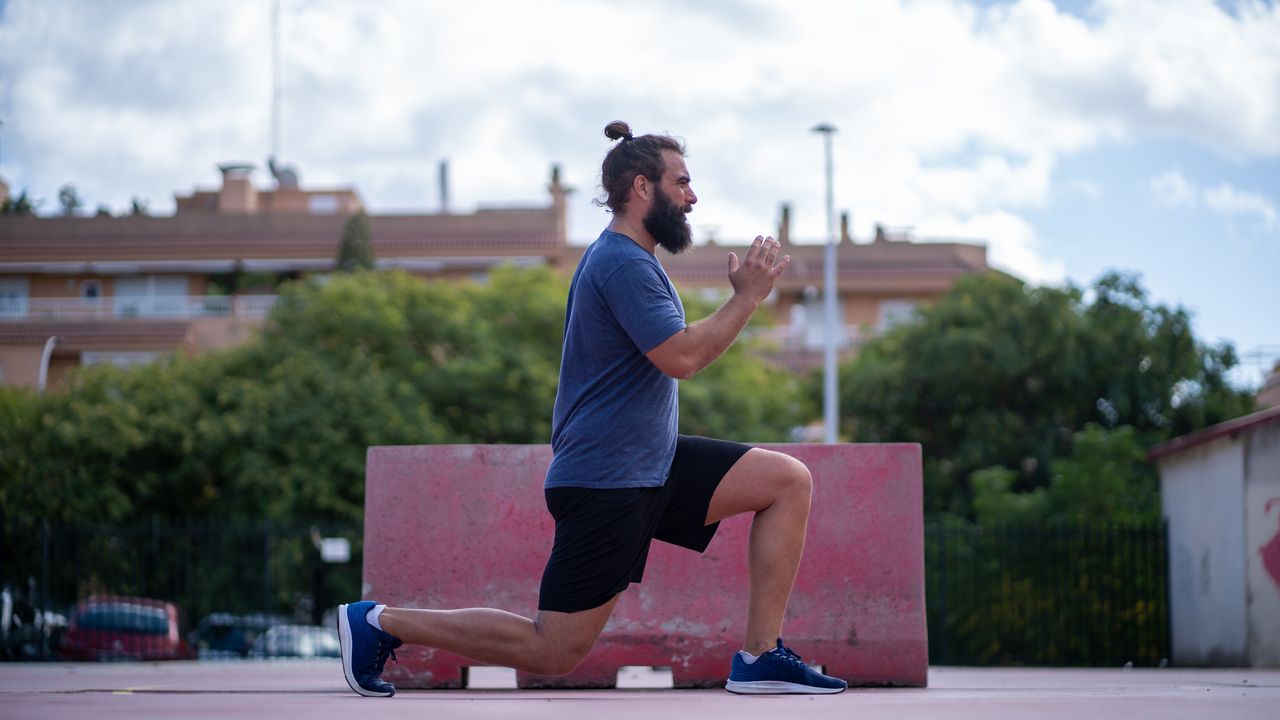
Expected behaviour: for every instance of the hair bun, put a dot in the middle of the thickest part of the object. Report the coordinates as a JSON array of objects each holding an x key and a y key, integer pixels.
[{"x": 618, "y": 130}]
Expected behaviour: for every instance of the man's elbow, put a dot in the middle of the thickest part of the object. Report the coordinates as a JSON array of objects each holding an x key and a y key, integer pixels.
[{"x": 680, "y": 369}]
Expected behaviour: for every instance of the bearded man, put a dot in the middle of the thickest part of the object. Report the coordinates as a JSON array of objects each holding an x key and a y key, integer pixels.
[{"x": 621, "y": 475}]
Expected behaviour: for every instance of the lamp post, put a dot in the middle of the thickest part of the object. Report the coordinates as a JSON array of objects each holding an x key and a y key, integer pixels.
[
  {"x": 49, "y": 345},
  {"x": 830, "y": 418}
]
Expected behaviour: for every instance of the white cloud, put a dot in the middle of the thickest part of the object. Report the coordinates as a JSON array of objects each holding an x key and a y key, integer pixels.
[
  {"x": 1012, "y": 244},
  {"x": 1171, "y": 189},
  {"x": 1229, "y": 201},
  {"x": 1083, "y": 187},
  {"x": 951, "y": 115}
]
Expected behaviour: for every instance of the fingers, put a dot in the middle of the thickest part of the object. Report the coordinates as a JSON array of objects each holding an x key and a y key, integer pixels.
[
  {"x": 733, "y": 262},
  {"x": 763, "y": 250},
  {"x": 771, "y": 249},
  {"x": 786, "y": 260}
]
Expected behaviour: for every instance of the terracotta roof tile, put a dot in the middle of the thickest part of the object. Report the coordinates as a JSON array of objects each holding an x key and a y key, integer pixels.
[{"x": 23, "y": 332}]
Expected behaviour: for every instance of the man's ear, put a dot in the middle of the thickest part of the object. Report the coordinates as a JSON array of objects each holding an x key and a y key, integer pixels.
[{"x": 640, "y": 186}]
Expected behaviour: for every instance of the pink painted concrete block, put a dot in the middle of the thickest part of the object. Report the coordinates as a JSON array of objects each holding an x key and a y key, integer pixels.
[{"x": 452, "y": 526}]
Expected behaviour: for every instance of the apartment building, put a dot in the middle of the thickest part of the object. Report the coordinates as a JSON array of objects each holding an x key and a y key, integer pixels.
[{"x": 78, "y": 291}]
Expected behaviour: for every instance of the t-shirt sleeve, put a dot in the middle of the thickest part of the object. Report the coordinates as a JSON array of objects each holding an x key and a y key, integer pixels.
[{"x": 639, "y": 298}]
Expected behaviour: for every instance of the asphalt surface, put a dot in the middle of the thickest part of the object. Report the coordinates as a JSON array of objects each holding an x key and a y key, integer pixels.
[{"x": 315, "y": 690}]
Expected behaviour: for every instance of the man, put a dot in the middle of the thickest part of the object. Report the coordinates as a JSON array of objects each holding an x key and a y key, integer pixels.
[{"x": 620, "y": 475}]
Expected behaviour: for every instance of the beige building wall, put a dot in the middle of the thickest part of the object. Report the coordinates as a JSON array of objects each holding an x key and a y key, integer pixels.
[{"x": 20, "y": 365}]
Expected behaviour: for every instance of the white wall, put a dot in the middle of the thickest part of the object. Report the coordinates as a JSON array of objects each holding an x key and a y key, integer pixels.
[
  {"x": 1202, "y": 492},
  {"x": 1262, "y": 484}
]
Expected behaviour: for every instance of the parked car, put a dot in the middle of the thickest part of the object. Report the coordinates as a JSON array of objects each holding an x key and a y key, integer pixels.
[
  {"x": 223, "y": 636},
  {"x": 26, "y": 631},
  {"x": 124, "y": 628},
  {"x": 297, "y": 641}
]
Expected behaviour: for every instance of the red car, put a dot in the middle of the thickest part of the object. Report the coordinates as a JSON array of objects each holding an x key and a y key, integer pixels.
[{"x": 124, "y": 628}]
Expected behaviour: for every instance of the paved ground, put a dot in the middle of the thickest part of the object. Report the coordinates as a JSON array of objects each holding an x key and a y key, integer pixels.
[{"x": 316, "y": 691}]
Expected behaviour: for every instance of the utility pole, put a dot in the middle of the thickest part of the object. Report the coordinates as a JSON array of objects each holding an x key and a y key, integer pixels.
[{"x": 830, "y": 414}]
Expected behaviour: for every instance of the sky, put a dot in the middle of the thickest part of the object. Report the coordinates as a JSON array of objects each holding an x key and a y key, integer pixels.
[{"x": 1071, "y": 137}]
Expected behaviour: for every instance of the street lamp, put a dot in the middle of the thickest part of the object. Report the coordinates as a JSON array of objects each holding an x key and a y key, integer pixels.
[
  {"x": 830, "y": 419},
  {"x": 49, "y": 345}
]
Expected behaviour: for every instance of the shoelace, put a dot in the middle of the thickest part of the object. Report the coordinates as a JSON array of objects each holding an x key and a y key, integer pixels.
[
  {"x": 785, "y": 654},
  {"x": 385, "y": 649}
]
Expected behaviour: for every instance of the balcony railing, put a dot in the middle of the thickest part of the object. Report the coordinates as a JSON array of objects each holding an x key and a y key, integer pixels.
[
  {"x": 160, "y": 307},
  {"x": 791, "y": 338}
]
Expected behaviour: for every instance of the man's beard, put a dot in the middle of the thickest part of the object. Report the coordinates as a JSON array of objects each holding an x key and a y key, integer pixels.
[{"x": 666, "y": 222}]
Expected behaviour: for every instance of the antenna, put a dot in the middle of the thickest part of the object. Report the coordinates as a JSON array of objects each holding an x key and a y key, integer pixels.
[{"x": 275, "y": 78}]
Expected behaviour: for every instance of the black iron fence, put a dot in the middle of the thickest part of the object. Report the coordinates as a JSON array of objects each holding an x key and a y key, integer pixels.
[
  {"x": 242, "y": 576},
  {"x": 1049, "y": 595},
  {"x": 1088, "y": 595}
]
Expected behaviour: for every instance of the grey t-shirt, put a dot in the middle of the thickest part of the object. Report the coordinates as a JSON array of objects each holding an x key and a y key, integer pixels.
[{"x": 614, "y": 424}]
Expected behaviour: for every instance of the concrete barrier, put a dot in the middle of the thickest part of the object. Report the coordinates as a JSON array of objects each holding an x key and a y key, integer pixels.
[{"x": 452, "y": 526}]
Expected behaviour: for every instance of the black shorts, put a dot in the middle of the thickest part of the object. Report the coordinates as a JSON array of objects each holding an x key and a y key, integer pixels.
[{"x": 602, "y": 536}]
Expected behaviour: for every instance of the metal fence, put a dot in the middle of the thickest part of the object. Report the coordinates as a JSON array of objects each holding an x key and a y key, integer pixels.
[
  {"x": 202, "y": 570},
  {"x": 1087, "y": 595},
  {"x": 1057, "y": 595}
]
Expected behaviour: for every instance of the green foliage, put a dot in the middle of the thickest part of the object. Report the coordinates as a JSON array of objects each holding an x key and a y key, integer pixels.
[
  {"x": 279, "y": 427},
  {"x": 23, "y": 204},
  {"x": 1106, "y": 478},
  {"x": 998, "y": 374},
  {"x": 740, "y": 397},
  {"x": 69, "y": 201},
  {"x": 355, "y": 249},
  {"x": 1058, "y": 593}
]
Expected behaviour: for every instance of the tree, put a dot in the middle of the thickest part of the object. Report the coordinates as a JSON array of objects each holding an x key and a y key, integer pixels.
[
  {"x": 23, "y": 204},
  {"x": 69, "y": 200},
  {"x": 1105, "y": 479},
  {"x": 138, "y": 207},
  {"x": 998, "y": 374},
  {"x": 279, "y": 427},
  {"x": 739, "y": 396},
  {"x": 355, "y": 250}
]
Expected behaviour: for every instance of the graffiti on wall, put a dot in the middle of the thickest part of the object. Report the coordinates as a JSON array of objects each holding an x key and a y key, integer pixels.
[{"x": 1271, "y": 551}]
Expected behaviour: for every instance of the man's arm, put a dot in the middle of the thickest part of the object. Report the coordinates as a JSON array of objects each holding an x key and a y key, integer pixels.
[{"x": 687, "y": 352}]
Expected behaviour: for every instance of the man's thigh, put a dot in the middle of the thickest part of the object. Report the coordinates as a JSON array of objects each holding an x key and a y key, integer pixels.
[{"x": 754, "y": 483}]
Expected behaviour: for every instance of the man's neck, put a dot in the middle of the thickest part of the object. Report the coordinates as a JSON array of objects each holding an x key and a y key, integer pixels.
[{"x": 634, "y": 229}]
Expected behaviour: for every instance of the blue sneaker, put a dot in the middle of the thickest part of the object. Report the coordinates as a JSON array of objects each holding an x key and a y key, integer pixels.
[
  {"x": 364, "y": 650},
  {"x": 779, "y": 671}
]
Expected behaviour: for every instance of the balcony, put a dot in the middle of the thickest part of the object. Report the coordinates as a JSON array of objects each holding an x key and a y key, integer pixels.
[
  {"x": 790, "y": 338},
  {"x": 157, "y": 307}
]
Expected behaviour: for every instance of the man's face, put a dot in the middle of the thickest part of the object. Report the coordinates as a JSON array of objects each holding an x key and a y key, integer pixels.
[{"x": 673, "y": 198}]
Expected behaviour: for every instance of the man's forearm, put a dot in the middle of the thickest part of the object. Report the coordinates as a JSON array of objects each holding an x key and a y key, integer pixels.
[{"x": 711, "y": 336}]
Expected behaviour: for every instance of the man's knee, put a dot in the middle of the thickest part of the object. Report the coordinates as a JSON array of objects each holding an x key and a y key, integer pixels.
[
  {"x": 797, "y": 481},
  {"x": 561, "y": 660}
]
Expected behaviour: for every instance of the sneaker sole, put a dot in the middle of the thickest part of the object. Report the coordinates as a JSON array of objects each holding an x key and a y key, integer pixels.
[
  {"x": 344, "y": 642},
  {"x": 777, "y": 687}
]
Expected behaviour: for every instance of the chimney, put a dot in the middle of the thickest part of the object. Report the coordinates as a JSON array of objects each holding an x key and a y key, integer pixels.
[
  {"x": 559, "y": 205},
  {"x": 784, "y": 224},
  {"x": 844, "y": 228},
  {"x": 238, "y": 196},
  {"x": 444, "y": 186}
]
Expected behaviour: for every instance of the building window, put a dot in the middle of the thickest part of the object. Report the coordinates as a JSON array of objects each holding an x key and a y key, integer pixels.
[
  {"x": 152, "y": 296},
  {"x": 895, "y": 312},
  {"x": 91, "y": 291},
  {"x": 119, "y": 359},
  {"x": 13, "y": 297},
  {"x": 815, "y": 317},
  {"x": 323, "y": 204}
]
